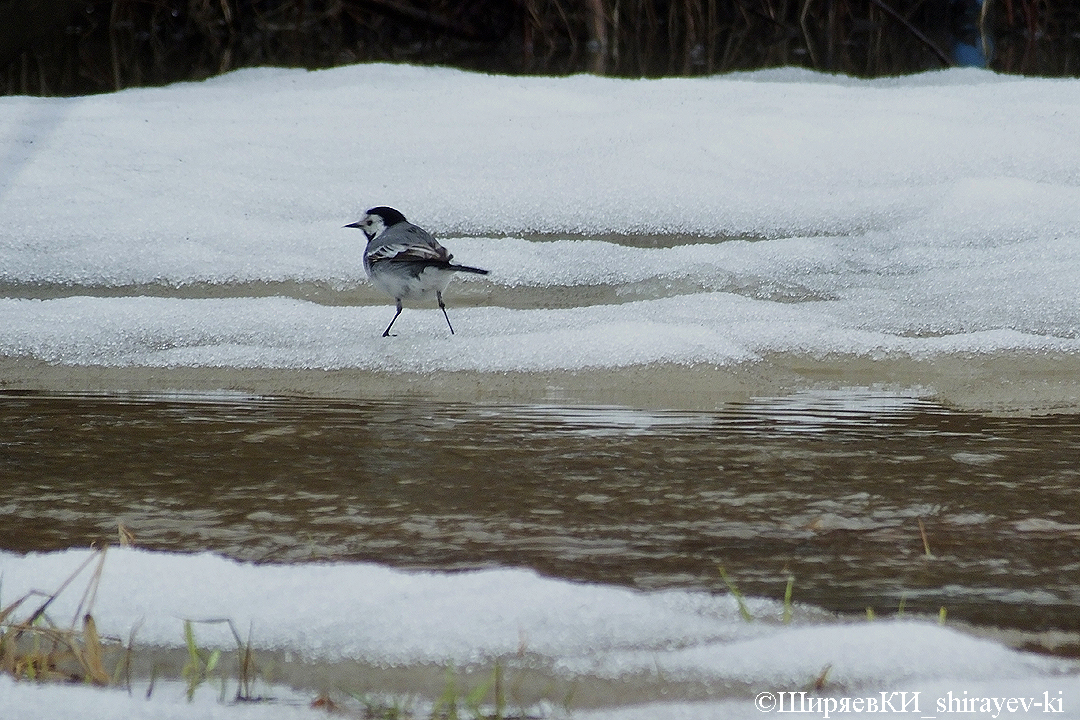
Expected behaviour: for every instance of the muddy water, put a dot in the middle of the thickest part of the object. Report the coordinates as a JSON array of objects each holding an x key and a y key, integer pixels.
[{"x": 827, "y": 488}]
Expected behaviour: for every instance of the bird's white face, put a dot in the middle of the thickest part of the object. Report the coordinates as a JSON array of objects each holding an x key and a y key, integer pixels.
[{"x": 372, "y": 225}]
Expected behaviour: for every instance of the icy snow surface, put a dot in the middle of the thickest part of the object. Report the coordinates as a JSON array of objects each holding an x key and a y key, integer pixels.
[{"x": 917, "y": 217}]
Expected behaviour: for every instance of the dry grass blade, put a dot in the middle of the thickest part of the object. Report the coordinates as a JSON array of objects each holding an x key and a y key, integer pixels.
[
  {"x": 925, "y": 541},
  {"x": 129, "y": 657},
  {"x": 6, "y": 611},
  {"x": 92, "y": 653},
  {"x": 90, "y": 593}
]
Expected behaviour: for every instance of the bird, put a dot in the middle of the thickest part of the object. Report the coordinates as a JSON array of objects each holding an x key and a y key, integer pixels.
[{"x": 405, "y": 261}]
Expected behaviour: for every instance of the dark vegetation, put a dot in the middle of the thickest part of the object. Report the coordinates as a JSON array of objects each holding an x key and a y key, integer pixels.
[{"x": 51, "y": 47}]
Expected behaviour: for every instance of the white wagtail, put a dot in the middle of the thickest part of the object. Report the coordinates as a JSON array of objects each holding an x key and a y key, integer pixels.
[{"x": 404, "y": 261}]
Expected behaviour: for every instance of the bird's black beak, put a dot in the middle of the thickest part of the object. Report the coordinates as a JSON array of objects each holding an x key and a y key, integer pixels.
[{"x": 355, "y": 224}]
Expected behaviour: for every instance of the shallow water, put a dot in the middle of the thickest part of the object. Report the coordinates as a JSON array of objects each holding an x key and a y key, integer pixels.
[{"x": 829, "y": 489}]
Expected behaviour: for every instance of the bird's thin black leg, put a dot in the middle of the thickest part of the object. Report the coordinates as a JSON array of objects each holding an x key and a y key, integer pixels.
[
  {"x": 442, "y": 306},
  {"x": 386, "y": 332}
]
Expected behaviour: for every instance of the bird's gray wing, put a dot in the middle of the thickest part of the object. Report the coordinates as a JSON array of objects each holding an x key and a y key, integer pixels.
[{"x": 408, "y": 243}]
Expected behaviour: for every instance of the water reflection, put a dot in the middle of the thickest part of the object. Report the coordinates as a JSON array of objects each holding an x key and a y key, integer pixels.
[{"x": 827, "y": 488}]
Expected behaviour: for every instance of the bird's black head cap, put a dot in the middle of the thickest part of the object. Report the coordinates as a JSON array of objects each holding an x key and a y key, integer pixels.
[{"x": 389, "y": 215}]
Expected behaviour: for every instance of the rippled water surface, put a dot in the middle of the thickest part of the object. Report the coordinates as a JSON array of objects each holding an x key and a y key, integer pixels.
[{"x": 828, "y": 489}]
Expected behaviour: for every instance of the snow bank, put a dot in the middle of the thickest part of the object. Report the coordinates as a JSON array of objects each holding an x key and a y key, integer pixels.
[
  {"x": 919, "y": 216},
  {"x": 358, "y": 612}
]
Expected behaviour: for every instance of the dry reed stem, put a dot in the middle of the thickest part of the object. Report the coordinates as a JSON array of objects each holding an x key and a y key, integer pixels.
[{"x": 925, "y": 541}]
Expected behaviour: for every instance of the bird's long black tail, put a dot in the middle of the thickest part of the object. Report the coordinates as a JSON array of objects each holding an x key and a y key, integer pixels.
[{"x": 466, "y": 268}]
